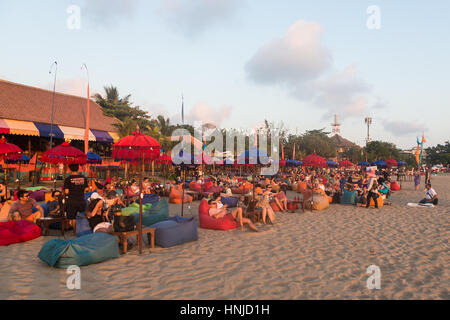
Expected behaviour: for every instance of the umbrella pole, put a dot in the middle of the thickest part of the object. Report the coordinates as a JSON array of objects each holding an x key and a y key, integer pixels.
[
  {"x": 140, "y": 209},
  {"x": 19, "y": 177},
  {"x": 182, "y": 187}
]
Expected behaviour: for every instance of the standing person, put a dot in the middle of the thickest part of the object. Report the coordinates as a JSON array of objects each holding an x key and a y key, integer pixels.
[
  {"x": 372, "y": 190},
  {"x": 417, "y": 179},
  {"x": 428, "y": 176},
  {"x": 75, "y": 186}
]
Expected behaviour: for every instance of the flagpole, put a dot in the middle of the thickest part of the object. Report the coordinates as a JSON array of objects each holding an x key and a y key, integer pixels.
[
  {"x": 53, "y": 102},
  {"x": 183, "y": 164},
  {"x": 86, "y": 132}
]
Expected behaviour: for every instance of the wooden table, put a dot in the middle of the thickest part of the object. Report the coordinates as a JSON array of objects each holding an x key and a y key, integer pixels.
[
  {"x": 45, "y": 223},
  {"x": 123, "y": 236}
]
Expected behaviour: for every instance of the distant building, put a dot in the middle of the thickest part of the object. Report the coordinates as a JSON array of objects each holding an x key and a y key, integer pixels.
[{"x": 26, "y": 117}]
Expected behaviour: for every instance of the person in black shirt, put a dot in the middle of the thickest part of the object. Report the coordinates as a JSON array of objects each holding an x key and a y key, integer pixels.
[{"x": 75, "y": 186}]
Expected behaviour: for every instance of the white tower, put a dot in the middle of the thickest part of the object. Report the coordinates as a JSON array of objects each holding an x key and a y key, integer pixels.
[{"x": 336, "y": 126}]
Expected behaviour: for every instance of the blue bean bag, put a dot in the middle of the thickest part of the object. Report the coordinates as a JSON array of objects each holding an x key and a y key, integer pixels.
[
  {"x": 158, "y": 212},
  {"x": 175, "y": 231},
  {"x": 150, "y": 198},
  {"x": 231, "y": 202},
  {"x": 83, "y": 227},
  {"x": 89, "y": 249},
  {"x": 349, "y": 197}
]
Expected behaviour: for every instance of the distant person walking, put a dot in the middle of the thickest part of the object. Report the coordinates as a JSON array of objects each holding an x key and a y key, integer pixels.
[{"x": 417, "y": 179}]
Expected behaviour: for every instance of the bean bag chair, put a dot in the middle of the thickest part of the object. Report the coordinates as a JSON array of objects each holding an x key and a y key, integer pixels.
[
  {"x": 175, "y": 231},
  {"x": 379, "y": 200},
  {"x": 275, "y": 207},
  {"x": 292, "y": 206},
  {"x": 301, "y": 187},
  {"x": 176, "y": 196},
  {"x": 231, "y": 202},
  {"x": 198, "y": 187},
  {"x": 237, "y": 190},
  {"x": 207, "y": 222},
  {"x": 82, "y": 223},
  {"x": 134, "y": 208},
  {"x": 330, "y": 199},
  {"x": 215, "y": 189},
  {"x": 320, "y": 202},
  {"x": 208, "y": 185},
  {"x": 4, "y": 211},
  {"x": 158, "y": 212},
  {"x": 191, "y": 185},
  {"x": 82, "y": 251},
  {"x": 37, "y": 188},
  {"x": 18, "y": 231},
  {"x": 38, "y": 195},
  {"x": 150, "y": 198},
  {"x": 349, "y": 197},
  {"x": 395, "y": 186}
]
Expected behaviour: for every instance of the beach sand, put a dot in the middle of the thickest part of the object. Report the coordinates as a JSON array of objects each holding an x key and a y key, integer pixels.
[{"x": 310, "y": 255}]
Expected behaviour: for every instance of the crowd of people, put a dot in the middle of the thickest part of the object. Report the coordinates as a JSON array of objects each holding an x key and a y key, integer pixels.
[{"x": 111, "y": 195}]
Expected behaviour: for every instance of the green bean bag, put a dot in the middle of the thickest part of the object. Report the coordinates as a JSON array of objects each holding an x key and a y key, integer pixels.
[
  {"x": 158, "y": 212},
  {"x": 82, "y": 251},
  {"x": 134, "y": 208},
  {"x": 37, "y": 188},
  {"x": 349, "y": 197}
]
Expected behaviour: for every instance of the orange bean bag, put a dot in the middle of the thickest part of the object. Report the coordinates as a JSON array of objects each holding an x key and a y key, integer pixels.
[
  {"x": 176, "y": 196},
  {"x": 379, "y": 200},
  {"x": 191, "y": 185},
  {"x": 330, "y": 199},
  {"x": 294, "y": 187},
  {"x": 301, "y": 187},
  {"x": 320, "y": 202}
]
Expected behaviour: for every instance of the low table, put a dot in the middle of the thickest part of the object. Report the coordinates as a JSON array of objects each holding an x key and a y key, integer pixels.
[
  {"x": 45, "y": 223},
  {"x": 123, "y": 236}
]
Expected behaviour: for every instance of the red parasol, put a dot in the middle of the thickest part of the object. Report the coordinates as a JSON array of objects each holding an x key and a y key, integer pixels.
[
  {"x": 65, "y": 154},
  {"x": 137, "y": 147},
  {"x": 313, "y": 160},
  {"x": 391, "y": 162},
  {"x": 345, "y": 164},
  {"x": 164, "y": 159},
  {"x": 9, "y": 151}
]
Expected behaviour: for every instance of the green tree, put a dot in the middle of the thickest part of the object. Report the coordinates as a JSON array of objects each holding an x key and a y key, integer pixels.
[
  {"x": 439, "y": 154},
  {"x": 380, "y": 150}
]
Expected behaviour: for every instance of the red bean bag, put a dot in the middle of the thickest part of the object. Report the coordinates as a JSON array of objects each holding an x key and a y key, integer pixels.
[
  {"x": 198, "y": 187},
  {"x": 18, "y": 231},
  {"x": 207, "y": 222},
  {"x": 275, "y": 207},
  {"x": 208, "y": 186},
  {"x": 395, "y": 186}
]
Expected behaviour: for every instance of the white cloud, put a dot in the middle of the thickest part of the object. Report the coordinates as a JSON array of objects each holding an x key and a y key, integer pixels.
[
  {"x": 108, "y": 13},
  {"x": 300, "y": 63},
  {"x": 192, "y": 17},
  {"x": 401, "y": 128},
  {"x": 204, "y": 113}
]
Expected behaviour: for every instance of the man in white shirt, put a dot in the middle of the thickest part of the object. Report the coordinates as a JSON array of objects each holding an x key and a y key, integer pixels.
[{"x": 430, "y": 195}]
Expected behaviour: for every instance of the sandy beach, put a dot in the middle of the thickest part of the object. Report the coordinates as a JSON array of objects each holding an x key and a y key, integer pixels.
[{"x": 310, "y": 255}]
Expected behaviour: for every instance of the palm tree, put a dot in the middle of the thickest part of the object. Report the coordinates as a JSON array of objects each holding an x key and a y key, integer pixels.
[{"x": 126, "y": 127}]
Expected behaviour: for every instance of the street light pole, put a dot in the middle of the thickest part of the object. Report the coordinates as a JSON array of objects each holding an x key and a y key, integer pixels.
[{"x": 53, "y": 102}]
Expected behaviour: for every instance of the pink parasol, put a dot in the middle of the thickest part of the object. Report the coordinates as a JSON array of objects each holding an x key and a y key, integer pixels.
[
  {"x": 137, "y": 147},
  {"x": 391, "y": 162},
  {"x": 345, "y": 164},
  {"x": 9, "y": 151},
  {"x": 313, "y": 160},
  {"x": 65, "y": 154}
]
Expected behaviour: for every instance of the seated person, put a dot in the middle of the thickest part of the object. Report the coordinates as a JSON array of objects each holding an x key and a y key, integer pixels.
[
  {"x": 385, "y": 188},
  {"x": 430, "y": 195},
  {"x": 55, "y": 206},
  {"x": 95, "y": 211},
  {"x": 264, "y": 204},
  {"x": 112, "y": 198},
  {"x": 4, "y": 195},
  {"x": 218, "y": 210},
  {"x": 25, "y": 208}
]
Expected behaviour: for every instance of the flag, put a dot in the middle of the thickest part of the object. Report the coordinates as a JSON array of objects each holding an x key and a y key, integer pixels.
[
  {"x": 293, "y": 153},
  {"x": 421, "y": 149},
  {"x": 282, "y": 152},
  {"x": 86, "y": 132}
]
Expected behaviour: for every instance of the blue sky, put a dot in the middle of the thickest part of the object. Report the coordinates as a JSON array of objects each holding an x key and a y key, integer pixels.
[{"x": 238, "y": 62}]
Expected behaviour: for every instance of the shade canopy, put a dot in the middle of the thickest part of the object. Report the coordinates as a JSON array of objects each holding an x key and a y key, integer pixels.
[
  {"x": 379, "y": 163},
  {"x": 164, "y": 159},
  {"x": 93, "y": 158},
  {"x": 313, "y": 160},
  {"x": 23, "y": 159},
  {"x": 9, "y": 150},
  {"x": 345, "y": 164},
  {"x": 136, "y": 147},
  {"x": 391, "y": 162},
  {"x": 253, "y": 156},
  {"x": 363, "y": 164},
  {"x": 293, "y": 163},
  {"x": 65, "y": 154},
  {"x": 332, "y": 164},
  {"x": 401, "y": 163}
]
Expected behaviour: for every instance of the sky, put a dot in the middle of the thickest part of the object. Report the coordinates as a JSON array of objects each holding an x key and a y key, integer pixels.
[{"x": 239, "y": 62}]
